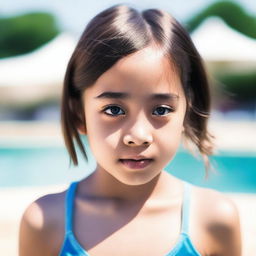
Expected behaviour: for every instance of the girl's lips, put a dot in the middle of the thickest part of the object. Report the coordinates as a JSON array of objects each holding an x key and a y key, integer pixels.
[{"x": 136, "y": 164}]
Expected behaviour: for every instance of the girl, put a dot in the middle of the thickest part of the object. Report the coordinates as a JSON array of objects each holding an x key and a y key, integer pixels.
[{"x": 135, "y": 86}]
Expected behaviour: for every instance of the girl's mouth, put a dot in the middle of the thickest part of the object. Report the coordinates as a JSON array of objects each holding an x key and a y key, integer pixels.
[{"x": 136, "y": 164}]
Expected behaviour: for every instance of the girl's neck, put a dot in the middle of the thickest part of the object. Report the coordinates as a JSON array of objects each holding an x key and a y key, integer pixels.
[{"x": 100, "y": 184}]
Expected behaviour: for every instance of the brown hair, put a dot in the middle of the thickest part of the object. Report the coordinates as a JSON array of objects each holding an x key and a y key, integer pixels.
[{"x": 117, "y": 32}]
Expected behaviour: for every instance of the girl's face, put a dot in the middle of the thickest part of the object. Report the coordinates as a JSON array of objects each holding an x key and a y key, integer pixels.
[{"x": 135, "y": 110}]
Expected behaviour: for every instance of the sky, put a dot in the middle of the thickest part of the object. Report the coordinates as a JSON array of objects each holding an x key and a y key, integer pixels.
[{"x": 73, "y": 15}]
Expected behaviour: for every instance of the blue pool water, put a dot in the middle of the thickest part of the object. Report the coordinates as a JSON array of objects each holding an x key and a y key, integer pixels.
[{"x": 33, "y": 166}]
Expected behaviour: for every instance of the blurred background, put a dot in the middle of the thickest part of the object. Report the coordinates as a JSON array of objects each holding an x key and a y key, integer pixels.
[{"x": 36, "y": 41}]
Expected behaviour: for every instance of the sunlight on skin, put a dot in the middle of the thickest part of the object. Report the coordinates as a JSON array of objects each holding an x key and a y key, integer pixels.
[
  {"x": 140, "y": 75},
  {"x": 35, "y": 216}
]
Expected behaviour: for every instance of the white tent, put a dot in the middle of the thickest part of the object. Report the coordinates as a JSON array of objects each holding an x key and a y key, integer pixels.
[
  {"x": 218, "y": 42},
  {"x": 43, "y": 66},
  {"x": 38, "y": 75}
]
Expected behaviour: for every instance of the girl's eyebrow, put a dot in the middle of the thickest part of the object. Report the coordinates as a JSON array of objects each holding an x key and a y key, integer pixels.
[{"x": 123, "y": 95}]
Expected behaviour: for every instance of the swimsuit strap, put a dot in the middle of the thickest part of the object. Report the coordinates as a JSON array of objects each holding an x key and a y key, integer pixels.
[
  {"x": 185, "y": 208},
  {"x": 69, "y": 207}
]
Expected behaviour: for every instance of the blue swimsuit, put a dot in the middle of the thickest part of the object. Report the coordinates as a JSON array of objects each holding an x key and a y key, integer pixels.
[{"x": 71, "y": 246}]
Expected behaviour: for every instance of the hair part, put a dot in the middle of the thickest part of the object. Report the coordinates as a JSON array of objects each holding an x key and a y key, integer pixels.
[{"x": 117, "y": 32}]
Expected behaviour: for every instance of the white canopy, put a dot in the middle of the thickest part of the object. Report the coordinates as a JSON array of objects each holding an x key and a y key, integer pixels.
[
  {"x": 216, "y": 41},
  {"x": 44, "y": 66}
]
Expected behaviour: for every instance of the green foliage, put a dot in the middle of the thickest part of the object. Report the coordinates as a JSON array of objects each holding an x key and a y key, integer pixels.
[
  {"x": 24, "y": 33},
  {"x": 241, "y": 85},
  {"x": 231, "y": 12}
]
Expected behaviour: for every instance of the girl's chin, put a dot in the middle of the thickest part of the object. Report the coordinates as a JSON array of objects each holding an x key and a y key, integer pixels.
[{"x": 136, "y": 178}]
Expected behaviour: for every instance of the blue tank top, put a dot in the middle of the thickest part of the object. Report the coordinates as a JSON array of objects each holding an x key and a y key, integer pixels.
[{"x": 71, "y": 246}]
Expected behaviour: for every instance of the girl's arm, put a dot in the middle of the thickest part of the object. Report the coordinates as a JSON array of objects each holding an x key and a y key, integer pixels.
[
  {"x": 226, "y": 229},
  {"x": 42, "y": 227},
  {"x": 219, "y": 218},
  {"x": 32, "y": 235}
]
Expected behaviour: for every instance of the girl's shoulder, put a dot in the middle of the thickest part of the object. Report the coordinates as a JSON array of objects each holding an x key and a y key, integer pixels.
[
  {"x": 213, "y": 205},
  {"x": 215, "y": 221},
  {"x": 42, "y": 225}
]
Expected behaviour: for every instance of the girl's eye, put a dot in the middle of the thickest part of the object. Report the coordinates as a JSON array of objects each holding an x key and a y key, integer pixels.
[
  {"x": 113, "y": 110},
  {"x": 162, "y": 111}
]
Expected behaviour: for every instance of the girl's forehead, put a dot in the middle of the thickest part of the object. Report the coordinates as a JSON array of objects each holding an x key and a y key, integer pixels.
[
  {"x": 146, "y": 69},
  {"x": 149, "y": 63},
  {"x": 148, "y": 54}
]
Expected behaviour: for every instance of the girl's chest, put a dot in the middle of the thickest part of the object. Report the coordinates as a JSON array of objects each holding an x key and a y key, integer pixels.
[{"x": 142, "y": 234}]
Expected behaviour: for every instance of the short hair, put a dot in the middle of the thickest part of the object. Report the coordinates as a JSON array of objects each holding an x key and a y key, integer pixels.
[{"x": 122, "y": 30}]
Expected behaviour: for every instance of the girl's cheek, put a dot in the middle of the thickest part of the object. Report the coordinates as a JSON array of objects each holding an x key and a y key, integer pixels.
[
  {"x": 111, "y": 123},
  {"x": 104, "y": 129},
  {"x": 113, "y": 140}
]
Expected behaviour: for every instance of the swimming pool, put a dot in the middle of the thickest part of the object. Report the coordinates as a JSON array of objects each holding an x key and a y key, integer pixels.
[{"x": 49, "y": 165}]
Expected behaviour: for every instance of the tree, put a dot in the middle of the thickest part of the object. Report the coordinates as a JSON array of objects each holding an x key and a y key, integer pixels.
[
  {"x": 232, "y": 13},
  {"x": 25, "y": 33}
]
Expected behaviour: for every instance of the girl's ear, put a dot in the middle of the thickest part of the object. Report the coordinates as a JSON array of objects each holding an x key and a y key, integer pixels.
[{"x": 82, "y": 129}]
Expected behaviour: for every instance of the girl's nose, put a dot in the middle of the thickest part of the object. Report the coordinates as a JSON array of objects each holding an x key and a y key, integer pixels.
[
  {"x": 136, "y": 141},
  {"x": 138, "y": 135}
]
